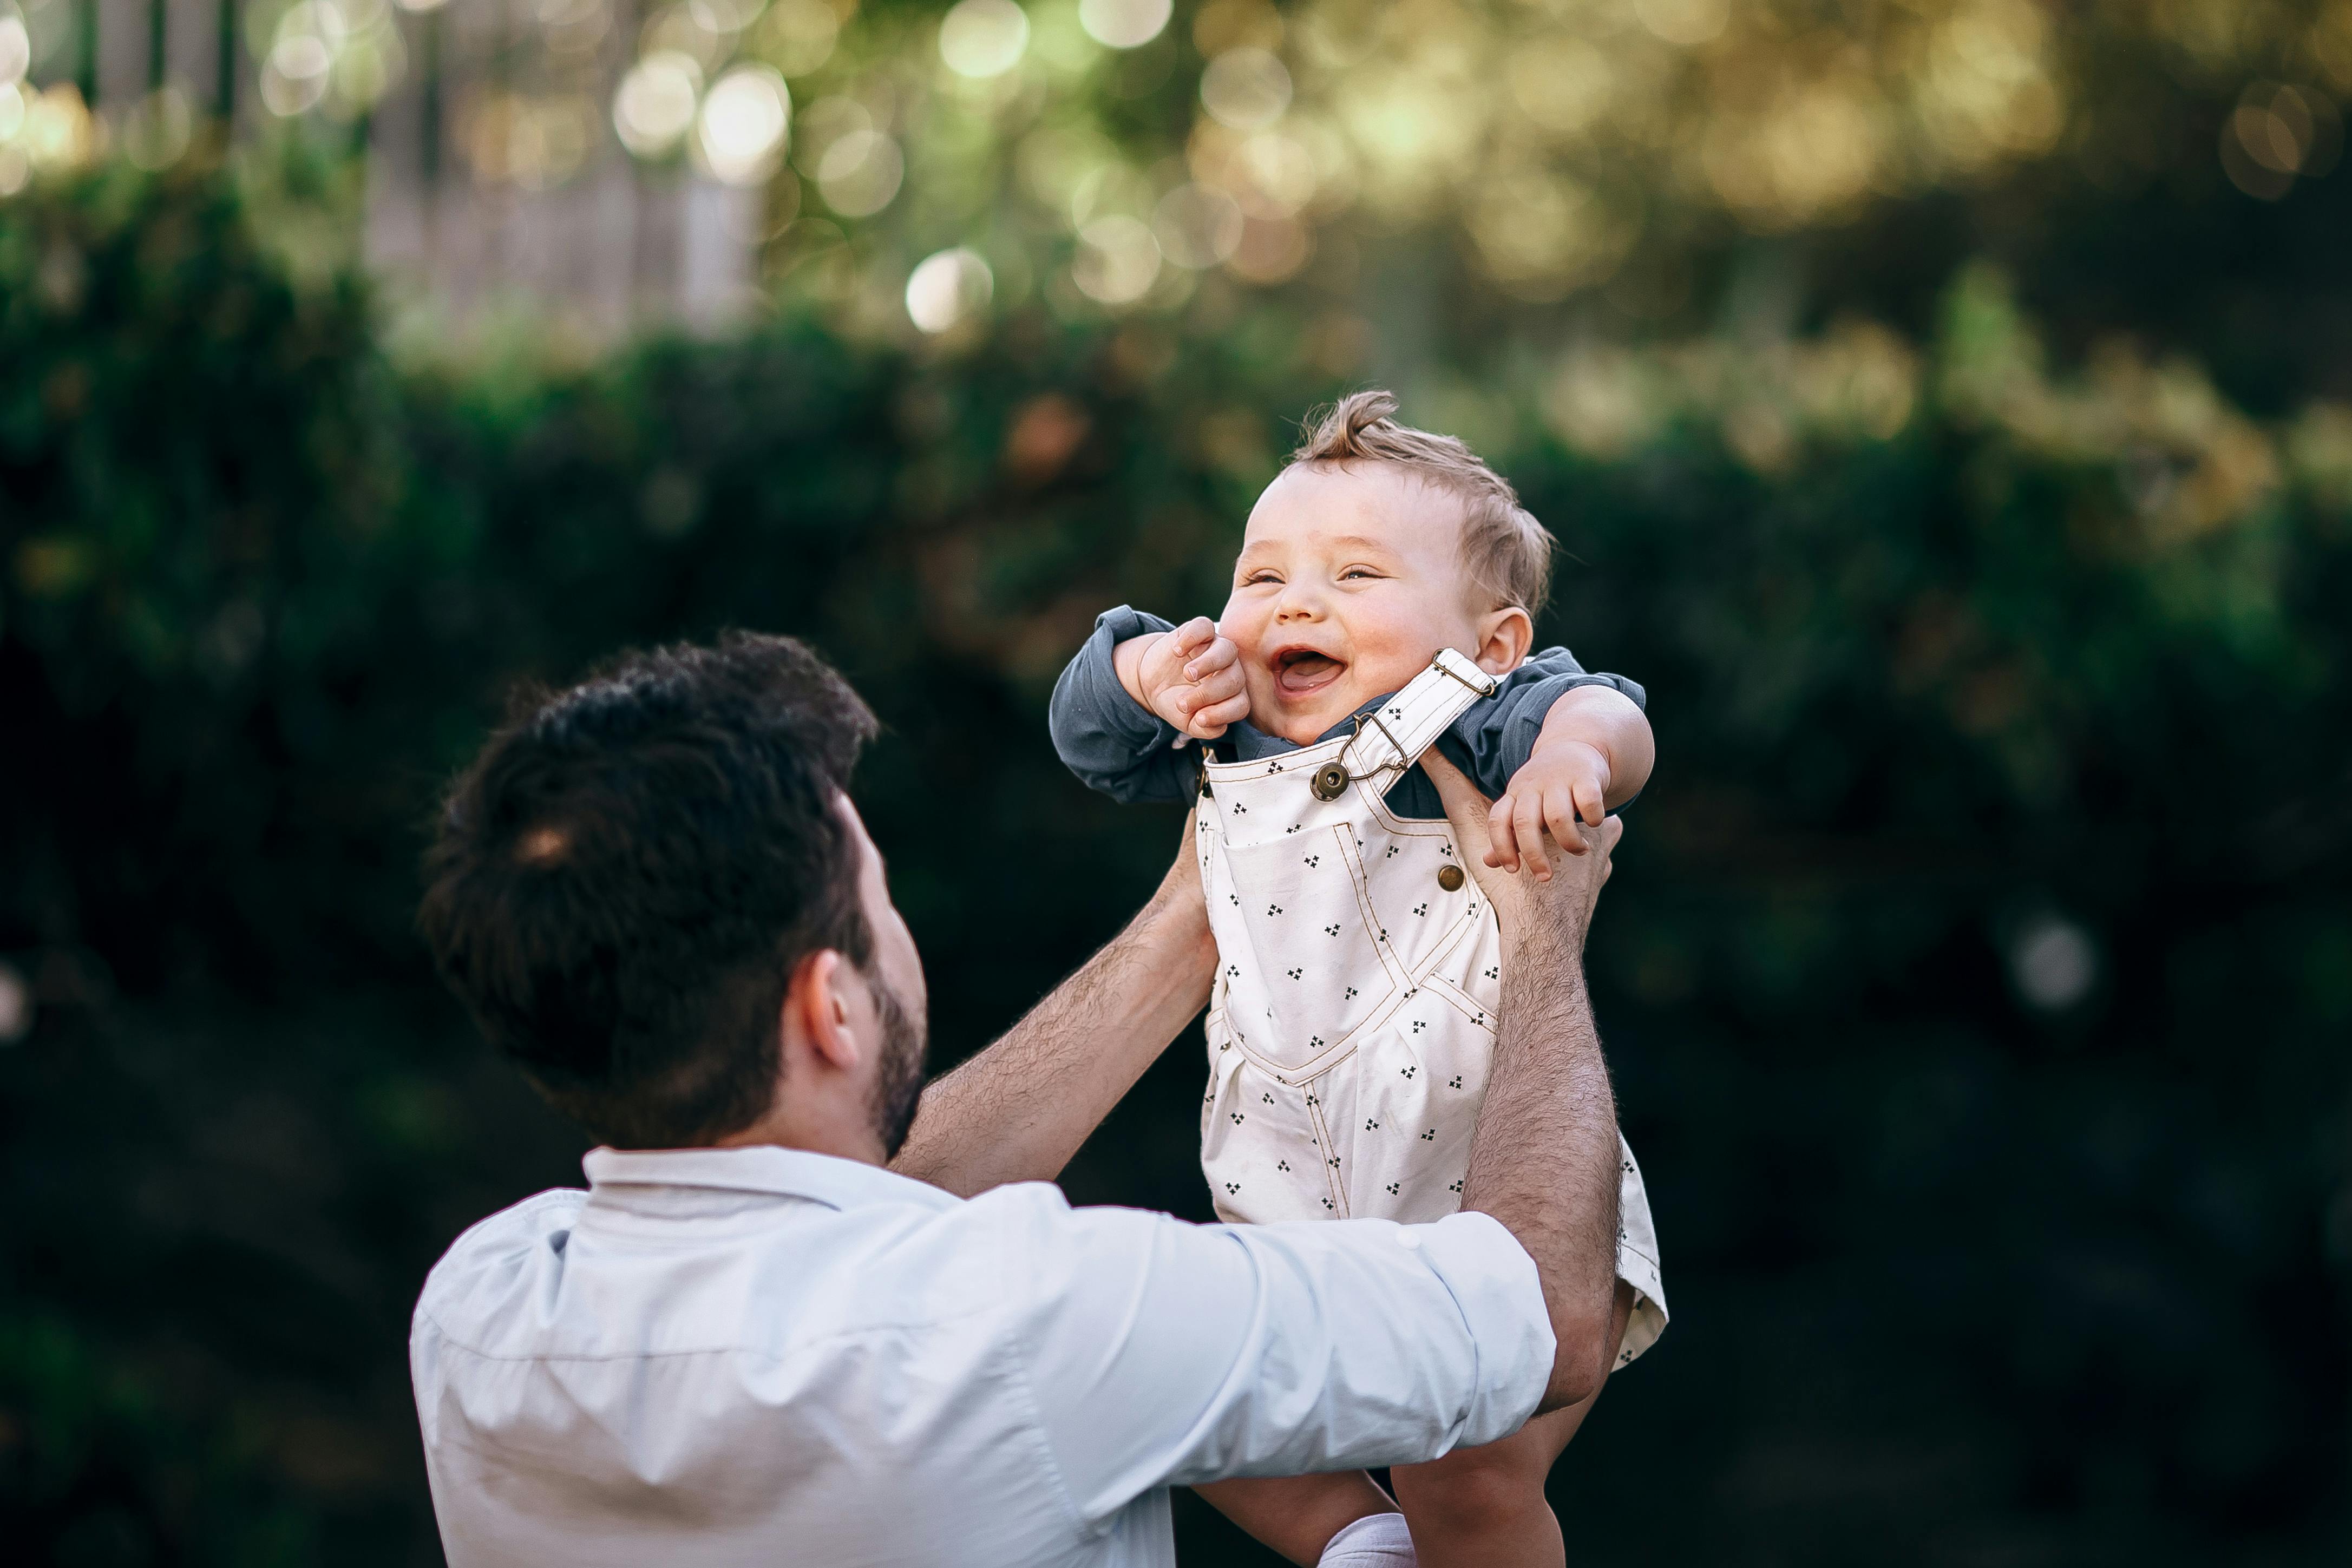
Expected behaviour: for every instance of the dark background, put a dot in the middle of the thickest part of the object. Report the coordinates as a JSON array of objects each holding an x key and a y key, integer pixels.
[{"x": 1977, "y": 972}]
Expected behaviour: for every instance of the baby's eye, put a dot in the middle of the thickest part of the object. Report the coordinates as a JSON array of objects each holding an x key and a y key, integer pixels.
[{"x": 1363, "y": 571}]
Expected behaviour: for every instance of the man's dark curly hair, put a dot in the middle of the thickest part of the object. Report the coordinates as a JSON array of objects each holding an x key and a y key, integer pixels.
[{"x": 624, "y": 881}]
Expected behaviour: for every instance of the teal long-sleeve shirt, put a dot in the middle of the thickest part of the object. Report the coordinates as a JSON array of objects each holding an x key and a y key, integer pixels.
[{"x": 1118, "y": 747}]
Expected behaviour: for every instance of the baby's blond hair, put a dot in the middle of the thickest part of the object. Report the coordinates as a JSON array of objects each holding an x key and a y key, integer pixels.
[{"x": 1505, "y": 551}]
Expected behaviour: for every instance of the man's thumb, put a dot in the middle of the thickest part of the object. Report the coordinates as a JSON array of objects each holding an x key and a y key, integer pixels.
[{"x": 1466, "y": 807}]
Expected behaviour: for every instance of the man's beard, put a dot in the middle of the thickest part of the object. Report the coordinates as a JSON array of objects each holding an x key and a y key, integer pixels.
[{"x": 898, "y": 1080}]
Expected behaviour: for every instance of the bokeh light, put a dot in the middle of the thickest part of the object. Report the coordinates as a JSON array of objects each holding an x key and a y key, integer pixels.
[
  {"x": 1687, "y": 23},
  {"x": 1118, "y": 260},
  {"x": 745, "y": 118},
  {"x": 157, "y": 129},
  {"x": 797, "y": 36},
  {"x": 2053, "y": 963},
  {"x": 948, "y": 288},
  {"x": 16, "y": 1011},
  {"x": 654, "y": 106},
  {"x": 820, "y": 125},
  {"x": 1246, "y": 88},
  {"x": 1197, "y": 225},
  {"x": 2276, "y": 133},
  {"x": 1124, "y": 24},
  {"x": 981, "y": 38},
  {"x": 15, "y": 46},
  {"x": 860, "y": 172}
]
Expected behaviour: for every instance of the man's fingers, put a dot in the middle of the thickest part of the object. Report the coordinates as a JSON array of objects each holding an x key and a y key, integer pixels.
[
  {"x": 1465, "y": 808},
  {"x": 1502, "y": 843}
]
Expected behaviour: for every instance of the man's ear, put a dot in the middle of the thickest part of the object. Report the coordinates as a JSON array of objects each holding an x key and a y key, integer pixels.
[
  {"x": 816, "y": 1009},
  {"x": 1504, "y": 636}
]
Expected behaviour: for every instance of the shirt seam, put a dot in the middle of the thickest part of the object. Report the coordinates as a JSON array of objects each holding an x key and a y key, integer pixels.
[
  {"x": 479, "y": 1353},
  {"x": 1087, "y": 1529}
]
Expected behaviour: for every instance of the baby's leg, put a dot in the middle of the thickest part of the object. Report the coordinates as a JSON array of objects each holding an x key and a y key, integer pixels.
[
  {"x": 1298, "y": 1515},
  {"x": 1485, "y": 1508}
]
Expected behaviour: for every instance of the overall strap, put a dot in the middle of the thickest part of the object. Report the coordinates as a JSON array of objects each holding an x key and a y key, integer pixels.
[{"x": 1391, "y": 739}]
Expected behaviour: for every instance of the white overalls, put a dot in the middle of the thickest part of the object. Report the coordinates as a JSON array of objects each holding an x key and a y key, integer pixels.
[{"x": 1358, "y": 968}]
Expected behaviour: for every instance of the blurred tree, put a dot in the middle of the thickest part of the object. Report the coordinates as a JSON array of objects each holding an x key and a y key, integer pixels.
[{"x": 1976, "y": 978}]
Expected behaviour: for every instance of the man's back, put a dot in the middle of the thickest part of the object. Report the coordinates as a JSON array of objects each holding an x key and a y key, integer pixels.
[{"x": 758, "y": 1354}]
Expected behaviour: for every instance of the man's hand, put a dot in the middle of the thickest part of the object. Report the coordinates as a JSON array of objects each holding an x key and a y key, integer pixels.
[
  {"x": 1192, "y": 677},
  {"x": 1514, "y": 890},
  {"x": 1543, "y": 1161}
]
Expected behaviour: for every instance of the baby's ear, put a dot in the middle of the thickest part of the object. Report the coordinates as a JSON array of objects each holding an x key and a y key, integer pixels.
[{"x": 1505, "y": 636}]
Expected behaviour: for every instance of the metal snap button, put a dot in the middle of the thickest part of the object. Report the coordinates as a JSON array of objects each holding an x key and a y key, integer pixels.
[
  {"x": 1330, "y": 781},
  {"x": 1449, "y": 877}
]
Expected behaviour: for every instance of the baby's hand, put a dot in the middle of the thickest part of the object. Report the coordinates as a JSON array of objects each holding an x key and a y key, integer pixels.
[
  {"x": 1563, "y": 783},
  {"x": 1193, "y": 679}
]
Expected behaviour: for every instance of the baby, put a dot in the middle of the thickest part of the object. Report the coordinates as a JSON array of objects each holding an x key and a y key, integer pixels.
[{"x": 1383, "y": 602}]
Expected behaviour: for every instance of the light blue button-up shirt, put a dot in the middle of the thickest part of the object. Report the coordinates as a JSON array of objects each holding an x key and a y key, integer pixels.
[{"x": 766, "y": 1357}]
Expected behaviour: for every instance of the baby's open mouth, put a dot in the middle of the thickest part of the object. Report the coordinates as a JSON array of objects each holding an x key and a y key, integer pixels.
[{"x": 1302, "y": 671}]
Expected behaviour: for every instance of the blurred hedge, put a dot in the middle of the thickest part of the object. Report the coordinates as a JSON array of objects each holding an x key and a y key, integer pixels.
[{"x": 2021, "y": 652}]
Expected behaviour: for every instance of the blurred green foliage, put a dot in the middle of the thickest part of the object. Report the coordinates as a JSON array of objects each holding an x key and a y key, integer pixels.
[{"x": 1977, "y": 972}]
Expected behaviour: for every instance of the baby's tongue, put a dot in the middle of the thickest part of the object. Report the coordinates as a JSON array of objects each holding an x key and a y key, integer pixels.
[{"x": 1306, "y": 672}]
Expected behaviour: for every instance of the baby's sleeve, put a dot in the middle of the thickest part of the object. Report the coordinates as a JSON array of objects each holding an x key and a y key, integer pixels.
[
  {"x": 1494, "y": 738},
  {"x": 1113, "y": 743}
]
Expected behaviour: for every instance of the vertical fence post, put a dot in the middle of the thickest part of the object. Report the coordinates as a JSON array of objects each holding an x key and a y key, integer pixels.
[
  {"x": 225, "y": 80},
  {"x": 86, "y": 67},
  {"x": 428, "y": 105},
  {"x": 156, "y": 27}
]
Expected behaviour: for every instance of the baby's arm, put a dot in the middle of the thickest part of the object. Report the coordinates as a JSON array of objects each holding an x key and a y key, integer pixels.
[
  {"x": 1594, "y": 752},
  {"x": 1557, "y": 744},
  {"x": 1106, "y": 733},
  {"x": 1190, "y": 677}
]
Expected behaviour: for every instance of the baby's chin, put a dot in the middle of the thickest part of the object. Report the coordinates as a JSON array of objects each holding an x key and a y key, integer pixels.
[{"x": 1304, "y": 721}]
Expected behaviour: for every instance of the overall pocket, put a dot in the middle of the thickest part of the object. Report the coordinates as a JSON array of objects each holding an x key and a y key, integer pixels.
[{"x": 1315, "y": 972}]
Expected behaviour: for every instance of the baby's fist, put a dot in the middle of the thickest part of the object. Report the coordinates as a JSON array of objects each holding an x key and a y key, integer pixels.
[
  {"x": 1563, "y": 784},
  {"x": 1192, "y": 677}
]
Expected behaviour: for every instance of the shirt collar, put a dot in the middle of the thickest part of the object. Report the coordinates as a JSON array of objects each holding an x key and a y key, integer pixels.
[{"x": 762, "y": 1168}]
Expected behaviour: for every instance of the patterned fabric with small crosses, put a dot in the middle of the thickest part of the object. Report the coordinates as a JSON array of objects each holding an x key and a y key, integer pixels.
[{"x": 1358, "y": 968}]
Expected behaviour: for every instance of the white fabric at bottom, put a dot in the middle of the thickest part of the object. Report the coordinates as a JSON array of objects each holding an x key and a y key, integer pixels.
[
  {"x": 1359, "y": 970},
  {"x": 726, "y": 1356},
  {"x": 1376, "y": 1540}
]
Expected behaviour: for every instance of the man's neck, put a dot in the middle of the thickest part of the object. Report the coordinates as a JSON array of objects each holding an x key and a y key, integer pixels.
[{"x": 783, "y": 1131}]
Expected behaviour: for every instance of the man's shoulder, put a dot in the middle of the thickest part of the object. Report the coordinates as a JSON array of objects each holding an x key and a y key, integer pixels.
[
  {"x": 542, "y": 1280},
  {"x": 503, "y": 1245}
]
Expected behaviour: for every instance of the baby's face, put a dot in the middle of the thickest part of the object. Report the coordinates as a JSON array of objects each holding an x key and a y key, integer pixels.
[{"x": 1348, "y": 582}]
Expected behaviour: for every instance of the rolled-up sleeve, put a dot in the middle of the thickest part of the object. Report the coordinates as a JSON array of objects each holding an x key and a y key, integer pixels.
[
  {"x": 1110, "y": 741},
  {"x": 1167, "y": 1354},
  {"x": 1493, "y": 739}
]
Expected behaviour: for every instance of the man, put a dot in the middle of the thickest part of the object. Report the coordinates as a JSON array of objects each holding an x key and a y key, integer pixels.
[{"x": 751, "y": 1342}]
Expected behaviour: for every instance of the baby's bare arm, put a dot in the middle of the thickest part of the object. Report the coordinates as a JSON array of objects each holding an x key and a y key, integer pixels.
[
  {"x": 1595, "y": 753},
  {"x": 1607, "y": 720}
]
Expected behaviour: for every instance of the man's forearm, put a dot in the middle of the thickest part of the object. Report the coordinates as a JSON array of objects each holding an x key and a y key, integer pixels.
[
  {"x": 1611, "y": 723},
  {"x": 1020, "y": 1109},
  {"x": 1544, "y": 1159}
]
